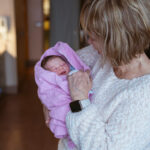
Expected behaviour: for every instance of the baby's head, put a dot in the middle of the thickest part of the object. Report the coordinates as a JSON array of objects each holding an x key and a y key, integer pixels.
[{"x": 55, "y": 64}]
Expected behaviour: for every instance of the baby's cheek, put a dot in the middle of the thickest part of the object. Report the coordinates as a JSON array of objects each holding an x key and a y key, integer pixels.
[
  {"x": 60, "y": 71},
  {"x": 57, "y": 72},
  {"x": 68, "y": 69}
]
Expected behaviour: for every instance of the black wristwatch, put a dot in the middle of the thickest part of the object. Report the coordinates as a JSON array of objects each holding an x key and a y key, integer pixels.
[{"x": 78, "y": 105}]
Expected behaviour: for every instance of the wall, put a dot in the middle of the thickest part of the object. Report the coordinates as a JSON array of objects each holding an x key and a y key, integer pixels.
[
  {"x": 22, "y": 40},
  {"x": 8, "y": 50},
  {"x": 35, "y": 29},
  {"x": 64, "y": 17}
]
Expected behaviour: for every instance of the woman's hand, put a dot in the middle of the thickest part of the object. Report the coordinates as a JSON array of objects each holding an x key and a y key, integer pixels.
[{"x": 79, "y": 84}]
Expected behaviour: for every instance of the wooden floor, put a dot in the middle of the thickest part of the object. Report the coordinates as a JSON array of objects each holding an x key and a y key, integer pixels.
[{"x": 21, "y": 121}]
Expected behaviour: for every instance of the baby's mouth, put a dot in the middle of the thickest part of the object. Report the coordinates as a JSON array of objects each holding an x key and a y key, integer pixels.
[{"x": 63, "y": 73}]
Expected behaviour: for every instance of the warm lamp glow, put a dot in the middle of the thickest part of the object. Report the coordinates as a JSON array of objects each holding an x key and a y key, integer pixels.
[
  {"x": 46, "y": 7},
  {"x": 7, "y": 41}
]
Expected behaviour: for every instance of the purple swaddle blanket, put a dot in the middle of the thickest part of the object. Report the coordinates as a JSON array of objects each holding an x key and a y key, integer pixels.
[{"x": 53, "y": 89}]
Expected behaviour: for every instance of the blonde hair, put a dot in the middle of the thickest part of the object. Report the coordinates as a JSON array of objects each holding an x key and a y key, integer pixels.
[{"x": 123, "y": 25}]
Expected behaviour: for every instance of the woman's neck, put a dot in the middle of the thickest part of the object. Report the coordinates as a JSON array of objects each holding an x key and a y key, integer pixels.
[{"x": 137, "y": 67}]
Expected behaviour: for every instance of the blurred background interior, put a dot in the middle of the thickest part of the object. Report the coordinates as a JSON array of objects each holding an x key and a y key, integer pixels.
[{"x": 27, "y": 29}]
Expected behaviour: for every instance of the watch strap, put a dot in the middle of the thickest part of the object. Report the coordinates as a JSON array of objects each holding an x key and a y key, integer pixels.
[{"x": 78, "y": 105}]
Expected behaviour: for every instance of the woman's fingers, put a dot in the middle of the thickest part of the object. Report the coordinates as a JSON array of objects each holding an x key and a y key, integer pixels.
[
  {"x": 89, "y": 74},
  {"x": 88, "y": 71},
  {"x": 79, "y": 85}
]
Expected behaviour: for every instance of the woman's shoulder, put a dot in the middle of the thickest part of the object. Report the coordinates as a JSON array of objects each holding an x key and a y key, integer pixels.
[
  {"x": 141, "y": 81},
  {"x": 88, "y": 55},
  {"x": 140, "y": 86}
]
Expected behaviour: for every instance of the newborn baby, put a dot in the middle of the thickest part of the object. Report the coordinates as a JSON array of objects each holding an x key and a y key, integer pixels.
[
  {"x": 51, "y": 77},
  {"x": 56, "y": 64}
]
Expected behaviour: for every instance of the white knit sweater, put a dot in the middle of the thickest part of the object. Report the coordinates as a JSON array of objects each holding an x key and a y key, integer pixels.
[{"x": 118, "y": 118}]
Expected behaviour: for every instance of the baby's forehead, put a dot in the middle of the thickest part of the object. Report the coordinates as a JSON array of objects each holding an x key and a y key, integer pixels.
[{"x": 56, "y": 58}]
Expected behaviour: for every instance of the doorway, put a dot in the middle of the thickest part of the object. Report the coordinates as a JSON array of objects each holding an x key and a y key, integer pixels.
[{"x": 29, "y": 31}]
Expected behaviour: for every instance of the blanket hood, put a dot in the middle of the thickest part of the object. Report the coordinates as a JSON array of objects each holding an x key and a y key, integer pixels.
[{"x": 60, "y": 49}]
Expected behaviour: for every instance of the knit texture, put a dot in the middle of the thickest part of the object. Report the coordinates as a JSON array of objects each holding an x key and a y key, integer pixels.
[
  {"x": 53, "y": 89},
  {"x": 89, "y": 56},
  {"x": 118, "y": 118}
]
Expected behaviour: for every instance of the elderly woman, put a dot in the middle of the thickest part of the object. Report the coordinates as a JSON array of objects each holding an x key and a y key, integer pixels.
[{"x": 119, "y": 116}]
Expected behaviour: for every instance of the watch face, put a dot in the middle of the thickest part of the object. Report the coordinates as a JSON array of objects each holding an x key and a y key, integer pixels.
[{"x": 75, "y": 106}]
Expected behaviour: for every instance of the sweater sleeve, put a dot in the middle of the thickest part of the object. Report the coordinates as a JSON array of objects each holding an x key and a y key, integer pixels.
[
  {"x": 127, "y": 127},
  {"x": 88, "y": 55}
]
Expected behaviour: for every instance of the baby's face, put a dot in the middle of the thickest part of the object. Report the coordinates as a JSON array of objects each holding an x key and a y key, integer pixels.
[{"x": 57, "y": 65}]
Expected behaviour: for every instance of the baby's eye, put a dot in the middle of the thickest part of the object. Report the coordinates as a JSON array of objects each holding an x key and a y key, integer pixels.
[
  {"x": 54, "y": 69},
  {"x": 62, "y": 65}
]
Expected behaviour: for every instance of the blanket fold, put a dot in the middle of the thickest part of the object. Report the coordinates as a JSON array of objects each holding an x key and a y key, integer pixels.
[{"x": 53, "y": 89}]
